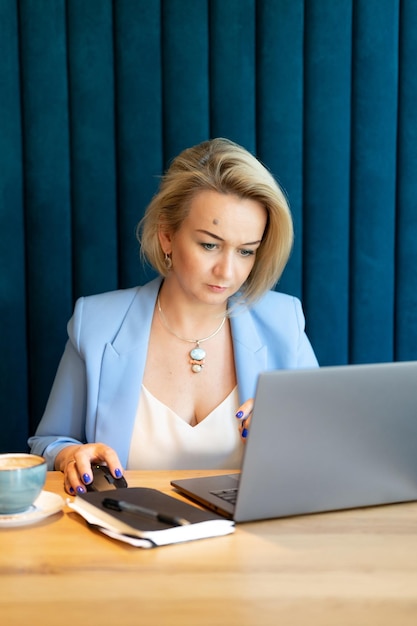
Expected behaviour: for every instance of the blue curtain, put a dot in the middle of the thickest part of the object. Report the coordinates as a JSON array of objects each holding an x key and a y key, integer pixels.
[{"x": 98, "y": 96}]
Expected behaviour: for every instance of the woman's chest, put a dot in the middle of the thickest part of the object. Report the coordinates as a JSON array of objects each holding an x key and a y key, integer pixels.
[{"x": 169, "y": 374}]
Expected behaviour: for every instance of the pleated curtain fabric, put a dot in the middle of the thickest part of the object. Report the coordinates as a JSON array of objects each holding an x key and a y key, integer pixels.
[{"x": 97, "y": 97}]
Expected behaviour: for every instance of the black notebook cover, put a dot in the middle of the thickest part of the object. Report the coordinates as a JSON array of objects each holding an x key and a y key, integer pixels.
[{"x": 202, "y": 523}]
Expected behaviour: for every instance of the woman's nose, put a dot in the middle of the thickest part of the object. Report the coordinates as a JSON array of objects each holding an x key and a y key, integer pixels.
[{"x": 224, "y": 266}]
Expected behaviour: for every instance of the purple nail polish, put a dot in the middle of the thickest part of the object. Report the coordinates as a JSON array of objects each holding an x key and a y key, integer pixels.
[
  {"x": 244, "y": 433},
  {"x": 117, "y": 473},
  {"x": 239, "y": 414},
  {"x": 80, "y": 489},
  {"x": 86, "y": 478},
  {"x": 71, "y": 490}
]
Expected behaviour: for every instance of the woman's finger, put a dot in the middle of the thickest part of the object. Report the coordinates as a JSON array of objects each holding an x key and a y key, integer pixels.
[
  {"x": 78, "y": 471},
  {"x": 244, "y": 414}
]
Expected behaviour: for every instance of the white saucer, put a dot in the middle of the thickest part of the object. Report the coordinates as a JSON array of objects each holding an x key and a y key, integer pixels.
[{"x": 46, "y": 504}]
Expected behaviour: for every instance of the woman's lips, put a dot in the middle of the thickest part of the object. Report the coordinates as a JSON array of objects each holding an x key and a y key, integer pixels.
[{"x": 217, "y": 288}]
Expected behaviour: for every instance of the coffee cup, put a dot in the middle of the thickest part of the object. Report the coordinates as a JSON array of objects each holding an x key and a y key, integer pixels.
[{"x": 22, "y": 477}]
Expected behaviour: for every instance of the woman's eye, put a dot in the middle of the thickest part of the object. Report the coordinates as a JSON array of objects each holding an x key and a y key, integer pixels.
[
  {"x": 209, "y": 246},
  {"x": 247, "y": 252}
]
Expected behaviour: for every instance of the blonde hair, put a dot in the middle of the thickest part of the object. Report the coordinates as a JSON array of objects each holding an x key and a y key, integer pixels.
[{"x": 223, "y": 166}]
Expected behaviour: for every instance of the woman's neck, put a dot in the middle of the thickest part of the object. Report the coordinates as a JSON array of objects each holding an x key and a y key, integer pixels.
[{"x": 187, "y": 316}]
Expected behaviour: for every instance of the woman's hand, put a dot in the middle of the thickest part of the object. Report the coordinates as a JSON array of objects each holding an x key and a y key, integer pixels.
[
  {"x": 244, "y": 415},
  {"x": 75, "y": 463}
]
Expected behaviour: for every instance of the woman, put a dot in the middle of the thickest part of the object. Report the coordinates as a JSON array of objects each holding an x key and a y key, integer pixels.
[{"x": 151, "y": 377}]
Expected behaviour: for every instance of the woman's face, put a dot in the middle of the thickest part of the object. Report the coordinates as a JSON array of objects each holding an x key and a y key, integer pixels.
[{"x": 214, "y": 250}]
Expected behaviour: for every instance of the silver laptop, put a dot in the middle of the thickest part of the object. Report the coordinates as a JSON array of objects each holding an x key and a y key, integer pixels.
[{"x": 322, "y": 439}]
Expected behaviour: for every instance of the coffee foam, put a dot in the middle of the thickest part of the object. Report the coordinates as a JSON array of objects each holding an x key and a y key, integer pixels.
[{"x": 10, "y": 462}]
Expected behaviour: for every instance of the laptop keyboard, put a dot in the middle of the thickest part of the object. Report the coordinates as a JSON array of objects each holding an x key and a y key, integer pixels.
[{"x": 229, "y": 495}]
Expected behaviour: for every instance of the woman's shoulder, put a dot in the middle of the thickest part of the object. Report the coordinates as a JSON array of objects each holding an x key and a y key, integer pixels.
[
  {"x": 118, "y": 298},
  {"x": 277, "y": 311},
  {"x": 278, "y": 297},
  {"x": 102, "y": 315},
  {"x": 273, "y": 301},
  {"x": 115, "y": 298}
]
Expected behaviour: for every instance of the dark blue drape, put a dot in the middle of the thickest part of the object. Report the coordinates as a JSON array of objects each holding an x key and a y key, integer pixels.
[{"x": 98, "y": 96}]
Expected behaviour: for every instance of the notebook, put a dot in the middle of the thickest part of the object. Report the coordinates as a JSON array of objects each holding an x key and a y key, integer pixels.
[
  {"x": 146, "y": 518},
  {"x": 322, "y": 439}
]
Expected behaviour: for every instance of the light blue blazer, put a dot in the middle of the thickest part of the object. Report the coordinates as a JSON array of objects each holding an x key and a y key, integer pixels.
[{"x": 95, "y": 394}]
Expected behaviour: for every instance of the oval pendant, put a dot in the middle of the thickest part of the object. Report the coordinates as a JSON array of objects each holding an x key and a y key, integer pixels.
[
  {"x": 197, "y": 354},
  {"x": 196, "y": 368}
]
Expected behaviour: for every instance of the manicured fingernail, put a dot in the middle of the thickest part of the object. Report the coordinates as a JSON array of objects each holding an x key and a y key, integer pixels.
[
  {"x": 86, "y": 478},
  {"x": 71, "y": 490},
  {"x": 239, "y": 414},
  {"x": 244, "y": 433},
  {"x": 80, "y": 490},
  {"x": 117, "y": 473}
]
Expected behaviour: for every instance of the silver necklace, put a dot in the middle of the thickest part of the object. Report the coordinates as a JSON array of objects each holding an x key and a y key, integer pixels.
[{"x": 197, "y": 354}]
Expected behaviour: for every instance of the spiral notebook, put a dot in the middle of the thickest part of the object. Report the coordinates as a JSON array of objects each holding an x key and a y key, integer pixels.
[{"x": 322, "y": 439}]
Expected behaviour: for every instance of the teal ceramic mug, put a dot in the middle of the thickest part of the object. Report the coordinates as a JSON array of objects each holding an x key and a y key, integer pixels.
[{"x": 22, "y": 477}]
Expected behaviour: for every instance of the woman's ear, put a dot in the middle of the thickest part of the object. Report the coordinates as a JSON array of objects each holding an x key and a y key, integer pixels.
[{"x": 165, "y": 239}]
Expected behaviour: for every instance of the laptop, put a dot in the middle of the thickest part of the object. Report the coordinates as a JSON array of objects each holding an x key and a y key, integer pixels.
[{"x": 320, "y": 440}]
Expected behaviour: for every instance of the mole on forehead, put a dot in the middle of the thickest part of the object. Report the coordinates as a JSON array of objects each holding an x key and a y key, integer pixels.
[{"x": 215, "y": 221}]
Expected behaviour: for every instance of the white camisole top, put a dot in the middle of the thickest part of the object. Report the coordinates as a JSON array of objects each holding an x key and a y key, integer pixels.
[{"x": 162, "y": 440}]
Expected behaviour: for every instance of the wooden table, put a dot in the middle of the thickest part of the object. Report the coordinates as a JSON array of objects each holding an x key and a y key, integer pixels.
[{"x": 348, "y": 568}]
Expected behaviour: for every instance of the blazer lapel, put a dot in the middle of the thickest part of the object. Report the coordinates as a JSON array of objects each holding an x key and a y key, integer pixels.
[
  {"x": 249, "y": 351},
  {"x": 122, "y": 372}
]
